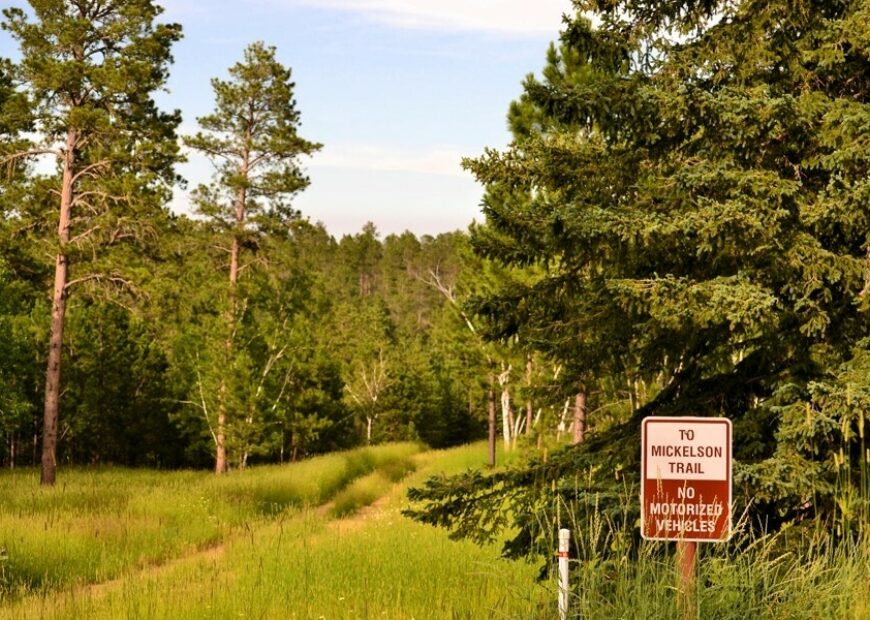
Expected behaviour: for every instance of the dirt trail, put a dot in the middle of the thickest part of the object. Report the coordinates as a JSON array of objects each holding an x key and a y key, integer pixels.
[{"x": 213, "y": 553}]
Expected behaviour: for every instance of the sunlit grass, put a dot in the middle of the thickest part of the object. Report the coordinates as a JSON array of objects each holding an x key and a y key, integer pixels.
[
  {"x": 95, "y": 523},
  {"x": 303, "y": 564}
]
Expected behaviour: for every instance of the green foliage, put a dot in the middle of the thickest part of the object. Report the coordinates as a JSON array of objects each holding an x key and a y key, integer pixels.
[
  {"x": 17, "y": 376},
  {"x": 118, "y": 403},
  {"x": 685, "y": 192},
  {"x": 252, "y": 139},
  {"x": 77, "y": 64}
]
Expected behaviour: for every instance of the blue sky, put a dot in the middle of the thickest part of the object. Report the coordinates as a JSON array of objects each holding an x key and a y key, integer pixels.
[{"x": 396, "y": 90}]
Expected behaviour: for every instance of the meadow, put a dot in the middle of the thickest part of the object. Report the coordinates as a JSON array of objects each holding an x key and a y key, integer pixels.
[
  {"x": 325, "y": 538},
  {"x": 293, "y": 541}
]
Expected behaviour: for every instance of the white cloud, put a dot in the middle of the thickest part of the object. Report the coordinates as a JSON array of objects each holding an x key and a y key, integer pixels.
[
  {"x": 355, "y": 183},
  {"x": 439, "y": 161},
  {"x": 517, "y": 17}
]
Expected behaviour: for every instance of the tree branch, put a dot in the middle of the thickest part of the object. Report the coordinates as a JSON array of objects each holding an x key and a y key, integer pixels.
[
  {"x": 29, "y": 153},
  {"x": 99, "y": 276},
  {"x": 89, "y": 169}
]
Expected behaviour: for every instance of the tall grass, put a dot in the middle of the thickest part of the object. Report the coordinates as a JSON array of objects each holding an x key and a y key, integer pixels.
[
  {"x": 759, "y": 582},
  {"x": 366, "y": 490},
  {"x": 790, "y": 575},
  {"x": 304, "y": 565},
  {"x": 96, "y": 523}
]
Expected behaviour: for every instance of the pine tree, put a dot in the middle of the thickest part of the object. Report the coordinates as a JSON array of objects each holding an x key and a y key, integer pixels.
[
  {"x": 89, "y": 69},
  {"x": 252, "y": 139}
]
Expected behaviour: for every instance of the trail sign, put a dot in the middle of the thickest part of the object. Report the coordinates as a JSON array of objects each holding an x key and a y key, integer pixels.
[{"x": 685, "y": 479}]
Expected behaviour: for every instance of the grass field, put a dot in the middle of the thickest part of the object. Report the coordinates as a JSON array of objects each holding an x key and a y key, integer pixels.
[
  {"x": 326, "y": 539},
  {"x": 94, "y": 524},
  {"x": 269, "y": 543}
]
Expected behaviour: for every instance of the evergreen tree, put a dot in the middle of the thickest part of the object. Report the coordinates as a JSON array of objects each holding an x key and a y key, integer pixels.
[
  {"x": 252, "y": 139},
  {"x": 691, "y": 179},
  {"x": 89, "y": 69}
]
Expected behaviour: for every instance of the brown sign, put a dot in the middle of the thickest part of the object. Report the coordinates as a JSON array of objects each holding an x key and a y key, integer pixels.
[{"x": 685, "y": 479}]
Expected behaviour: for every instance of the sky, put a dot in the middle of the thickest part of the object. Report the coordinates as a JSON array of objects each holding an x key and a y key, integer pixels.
[{"x": 397, "y": 91}]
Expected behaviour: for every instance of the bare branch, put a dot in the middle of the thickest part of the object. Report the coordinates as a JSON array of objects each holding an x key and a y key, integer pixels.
[
  {"x": 99, "y": 276},
  {"x": 84, "y": 235},
  {"x": 265, "y": 156},
  {"x": 81, "y": 196},
  {"x": 226, "y": 154},
  {"x": 118, "y": 234},
  {"x": 29, "y": 153},
  {"x": 434, "y": 280},
  {"x": 90, "y": 169}
]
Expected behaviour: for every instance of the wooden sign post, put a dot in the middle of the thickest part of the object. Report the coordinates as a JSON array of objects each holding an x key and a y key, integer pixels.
[{"x": 686, "y": 490}]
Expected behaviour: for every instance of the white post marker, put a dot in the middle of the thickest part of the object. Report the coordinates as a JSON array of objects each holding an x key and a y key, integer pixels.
[{"x": 564, "y": 542}]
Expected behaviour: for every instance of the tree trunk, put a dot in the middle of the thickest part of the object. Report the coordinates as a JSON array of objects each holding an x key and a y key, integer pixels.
[
  {"x": 58, "y": 314},
  {"x": 220, "y": 465},
  {"x": 579, "y": 417},
  {"x": 529, "y": 408},
  {"x": 490, "y": 407},
  {"x": 369, "y": 421},
  {"x": 220, "y": 439},
  {"x": 507, "y": 416},
  {"x": 506, "y": 413}
]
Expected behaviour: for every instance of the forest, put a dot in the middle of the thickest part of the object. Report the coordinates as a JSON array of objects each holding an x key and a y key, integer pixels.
[
  {"x": 241, "y": 332},
  {"x": 679, "y": 226}
]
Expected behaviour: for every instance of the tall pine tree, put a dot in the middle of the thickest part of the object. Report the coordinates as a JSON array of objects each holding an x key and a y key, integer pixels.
[
  {"x": 252, "y": 139},
  {"x": 89, "y": 68}
]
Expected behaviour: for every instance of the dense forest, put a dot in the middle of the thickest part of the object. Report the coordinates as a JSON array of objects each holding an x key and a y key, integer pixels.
[
  {"x": 678, "y": 227},
  {"x": 686, "y": 195},
  {"x": 241, "y": 332}
]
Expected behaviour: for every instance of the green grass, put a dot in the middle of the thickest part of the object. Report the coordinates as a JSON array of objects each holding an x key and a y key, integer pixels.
[
  {"x": 760, "y": 582},
  {"x": 94, "y": 524},
  {"x": 303, "y": 564},
  {"x": 366, "y": 490},
  {"x": 306, "y": 563},
  {"x": 802, "y": 572}
]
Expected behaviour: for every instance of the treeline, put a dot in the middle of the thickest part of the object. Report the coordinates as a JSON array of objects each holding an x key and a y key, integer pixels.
[
  {"x": 336, "y": 343},
  {"x": 243, "y": 332}
]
